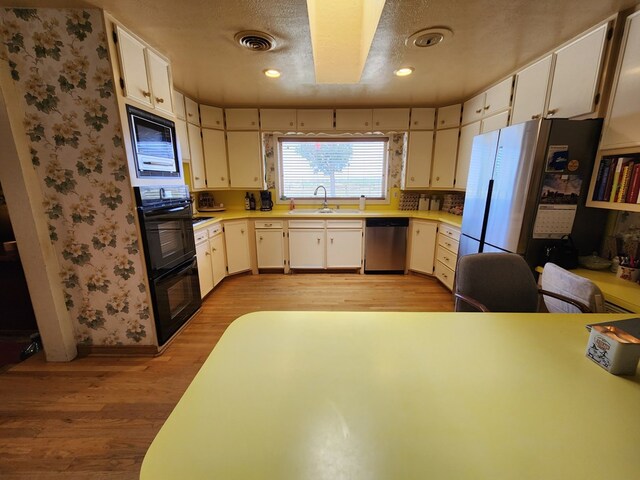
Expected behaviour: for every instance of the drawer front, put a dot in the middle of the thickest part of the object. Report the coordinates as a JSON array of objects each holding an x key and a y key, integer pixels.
[
  {"x": 306, "y": 223},
  {"x": 200, "y": 235},
  {"x": 450, "y": 231},
  {"x": 448, "y": 258},
  {"x": 344, "y": 223},
  {"x": 448, "y": 243},
  {"x": 445, "y": 275},
  {"x": 214, "y": 230},
  {"x": 268, "y": 224}
]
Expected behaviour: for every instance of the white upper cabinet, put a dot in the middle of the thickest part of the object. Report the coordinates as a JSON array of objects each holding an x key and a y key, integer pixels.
[
  {"x": 622, "y": 128},
  {"x": 576, "y": 75},
  {"x": 495, "y": 122},
  {"x": 278, "y": 119},
  {"x": 494, "y": 100},
  {"x": 386, "y": 119},
  {"x": 532, "y": 84},
  {"x": 315, "y": 119},
  {"x": 449, "y": 116},
  {"x": 245, "y": 161},
  {"x": 146, "y": 75},
  {"x": 419, "y": 155},
  {"x": 191, "y": 108},
  {"x": 198, "y": 174},
  {"x": 183, "y": 140},
  {"x": 445, "y": 152},
  {"x": 242, "y": 118},
  {"x": 215, "y": 158},
  {"x": 423, "y": 118},
  {"x": 211, "y": 117},
  {"x": 354, "y": 119},
  {"x": 178, "y": 103},
  {"x": 467, "y": 133}
]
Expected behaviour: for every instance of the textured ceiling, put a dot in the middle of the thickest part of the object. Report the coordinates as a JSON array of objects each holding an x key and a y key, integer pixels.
[{"x": 491, "y": 39}]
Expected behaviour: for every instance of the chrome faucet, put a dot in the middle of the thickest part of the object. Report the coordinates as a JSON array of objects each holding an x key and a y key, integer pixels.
[{"x": 325, "y": 205}]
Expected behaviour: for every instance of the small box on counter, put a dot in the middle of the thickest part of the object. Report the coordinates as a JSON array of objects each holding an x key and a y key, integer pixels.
[{"x": 615, "y": 346}]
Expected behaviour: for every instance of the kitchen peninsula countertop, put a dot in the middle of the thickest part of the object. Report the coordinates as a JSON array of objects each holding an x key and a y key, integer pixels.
[
  {"x": 385, "y": 395},
  {"x": 438, "y": 216}
]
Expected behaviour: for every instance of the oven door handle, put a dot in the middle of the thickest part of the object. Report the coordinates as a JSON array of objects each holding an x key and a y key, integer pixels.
[{"x": 162, "y": 211}]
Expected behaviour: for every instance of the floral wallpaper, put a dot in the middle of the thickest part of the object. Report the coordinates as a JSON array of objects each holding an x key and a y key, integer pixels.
[
  {"x": 397, "y": 156},
  {"x": 58, "y": 60}
]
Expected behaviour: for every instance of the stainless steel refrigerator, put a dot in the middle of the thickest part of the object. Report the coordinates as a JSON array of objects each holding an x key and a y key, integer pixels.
[{"x": 527, "y": 188}]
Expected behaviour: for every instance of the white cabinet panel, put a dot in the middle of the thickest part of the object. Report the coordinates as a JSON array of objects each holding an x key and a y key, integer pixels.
[
  {"x": 387, "y": 119},
  {"x": 467, "y": 133},
  {"x": 211, "y": 117},
  {"x": 449, "y": 116},
  {"x": 423, "y": 118},
  {"x": 495, "y": 122},
  {"x": 245, "y": 162},
  {"x": 242, "y": 118},
  {"x": 198, "y": 174},
  {"x": 530, "y": 95},
  {"x": 205, "y": 272},
  {"x": 419, "y": 155},
  {"x": 191, "y": 107},
  {"x": 354, "y": 119},
  {"x": 160, "y": 78},
  {"x": 445, "y": 152},
  {"x": 576, "y": 75},
  {"x": 445, "y": 275},
  {"x": 270, "y": 248},
  {"x": 218, "y": 258},
  {"x": 215, "y": 158},
  {"x": 133, "y": 67},
  {"x": 472, "y": 109},
  {"x": 236, "y": 234},
  {"x": 178, "y": 102},
  {"x": 306, "y": 248},
  {"x": 423, "y": 246},
  {"x": 310, "y": 120},
  {"x": 344, "y": 248},
  {"x": 498, "y": 98},
  {"x": 183, "y": 140},
  {"x": 283, "y": 120},
  {"x": 623, "y": 121}
]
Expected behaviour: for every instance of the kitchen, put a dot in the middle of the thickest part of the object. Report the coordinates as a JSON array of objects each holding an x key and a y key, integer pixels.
[{"x": 112, "y": 197}]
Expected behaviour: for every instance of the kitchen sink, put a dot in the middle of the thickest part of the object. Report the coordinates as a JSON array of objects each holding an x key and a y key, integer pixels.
[{"x": 324, "y": 211}]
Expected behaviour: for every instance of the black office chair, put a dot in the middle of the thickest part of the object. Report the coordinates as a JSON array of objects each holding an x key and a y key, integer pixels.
[{"x": 500, "y": 282}]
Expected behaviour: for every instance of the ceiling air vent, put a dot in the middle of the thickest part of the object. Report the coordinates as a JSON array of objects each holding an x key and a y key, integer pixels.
[
  {"x": 255, "y": 41},
  {"x": 428, "y": 37}
]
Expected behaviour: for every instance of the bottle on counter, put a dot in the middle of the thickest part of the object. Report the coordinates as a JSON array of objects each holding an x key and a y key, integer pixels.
[
  {"x": 292, "y": 205},
  {"x": 252, "y": 202},
  {"x": 362, "y": 202},
  {"x": 423, "y": 203},
  {"x": 247, "y": 201}
]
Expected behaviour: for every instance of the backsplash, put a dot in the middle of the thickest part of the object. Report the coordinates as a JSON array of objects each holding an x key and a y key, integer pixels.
[{"x": 59, "y": 62}]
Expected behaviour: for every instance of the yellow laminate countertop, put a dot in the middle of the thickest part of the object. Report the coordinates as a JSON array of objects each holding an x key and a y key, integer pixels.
[
  {"x": 373, "y": 395},
  {"x": 623, "y": 293}
]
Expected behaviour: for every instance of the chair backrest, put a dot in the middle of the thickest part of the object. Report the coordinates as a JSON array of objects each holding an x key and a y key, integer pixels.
[
  {"x": 503, "y": 282},
  {"x": 558, "y": 280}
]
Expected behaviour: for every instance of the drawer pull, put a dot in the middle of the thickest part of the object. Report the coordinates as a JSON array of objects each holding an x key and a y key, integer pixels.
[
  {"x": 447, "y": 259},
  {"x": 268, "y": 224},
  {"x": 146, "y": 94},
  {"x": 479, "y": 110},
  {"x": 159, "y": 100},
  {"x": 447, "y": 244},
  {"x": 207, "y": 253},
  {"x": 318, "y": 241}
]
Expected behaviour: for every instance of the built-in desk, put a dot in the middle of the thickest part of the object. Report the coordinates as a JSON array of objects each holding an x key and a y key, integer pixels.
[
  {"x": 379, "y": 395},
  {"x": 622, "y": 293}
]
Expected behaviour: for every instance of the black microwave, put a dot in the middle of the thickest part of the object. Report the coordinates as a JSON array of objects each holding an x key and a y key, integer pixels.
[{"x": 155, "y": 149}]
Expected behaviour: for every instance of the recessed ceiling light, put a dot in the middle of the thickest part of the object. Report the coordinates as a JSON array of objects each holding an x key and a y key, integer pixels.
[
  {"x": 403, "y": 72},
  {"x": 272, "y": 73}
]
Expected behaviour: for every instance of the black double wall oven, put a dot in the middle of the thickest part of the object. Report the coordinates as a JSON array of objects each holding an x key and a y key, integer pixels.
[{"x": 167, "y": 233}]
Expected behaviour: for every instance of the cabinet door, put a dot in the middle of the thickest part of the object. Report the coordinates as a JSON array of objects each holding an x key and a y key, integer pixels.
[
  {"x": 183, "y": 140},
  {"x": 218, "y": 258},
  {"x": 419, "y": 155},
  {"x": 191, "y": 107},
  {"x": 160, "y": 78},
  {"x": 178, "y": 103},
  {"x": 423, "y": 118},
  {"x": 277, "y": 119},
  {"x": 387, "y": 119},
  {"x": 423, "y": 246},
  {"x": 270, "y": 248},
  {"x": 306, "y": 248},
  {"x": 198, "y": 175},
  {"x": 133, "y": 67},
  {"x": 530, "y": 95},
  {"x": 236, "y": 236},
  {"x": 623, "y": 121},
  {"x": 576, "y": 75},
  {"x": 215, "y": 158},
  {"x": 449, "y": 116},
  {"x": 473, "y": 109},
  {"x": 310, "y": 120},
  {"x": 242, "y": 118},
  {"x": 495, "y": 122},
  {"x": 467, "y": 133},
  {"x": 344, "y": 248},
  {"x": 211, "y": 117},
  {"x": 498, "y": 98},
  {"x": 205, "y": 274},
  {"x": 359, "y": 119},
  {"x": 445, "y": 152},
  {"x": 245, "y": 162}
]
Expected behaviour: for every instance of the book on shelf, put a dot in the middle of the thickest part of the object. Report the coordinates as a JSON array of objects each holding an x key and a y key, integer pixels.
[
  {"x": 615, "y": 185},
  {"x": 634, "y": 184},
  {"x": 609, "y": 185},
  {"x": 623, "y": 183},
  {"x": 601, "y": 179}
]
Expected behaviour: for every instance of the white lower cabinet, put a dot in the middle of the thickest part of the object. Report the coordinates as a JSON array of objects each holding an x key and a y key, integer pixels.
[
  {"x": 306, "y": 247},
  {"x": 344, "y": 248},
  {"x": 218, "y": 258},
  {"x": 423, "y": 246},
  {"x": 236, "y": 235},
  {"x": 205, "y": 272},
  {"x": 447, "y": 254},
  {"x": 269, "y": 244},
  {"x": 316, "y": 244},
  {"x": 212, "y": 266}
]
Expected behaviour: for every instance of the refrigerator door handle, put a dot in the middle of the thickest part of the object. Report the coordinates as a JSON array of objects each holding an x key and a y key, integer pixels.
[{"x": 487, "y": 208}]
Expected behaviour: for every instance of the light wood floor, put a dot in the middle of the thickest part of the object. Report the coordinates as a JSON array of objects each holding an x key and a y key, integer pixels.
[{"x": 94, "y": 418}]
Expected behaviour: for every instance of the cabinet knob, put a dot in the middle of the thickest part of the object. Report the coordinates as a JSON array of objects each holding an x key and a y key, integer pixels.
[
  {"x": 253, "y": 123},
  {"x": 442, "y": 121},
  {"x": 197, "y": 178},
  {"x": 447, "y": 244},
  {"x": 535, "y": 117},
  {"x": 447, "y": 259},
  {"x": 217, "y": 122},
  {"x": 222, "y": 178},
  {"x": 255, "y": 179},
  {"x": 332, "y": 240},
  {"x": 487, "y": 107},
  {"x": 377, "y": 123},
  {"x": 242, "y": 232},
  {"x": 207, "y": 253},
  {"x": 190, "y": 114},
  {"x": 479, "y": 110},
  {"x": 318, "y": 241},
  {"x": 268, "y": 224},
  {"x": 417, "y": 232},
  {"x": 159, "y": 100},
  {"x": 260, "y": 238},
  {"x": 302, "y": 124},
  {"x": 552, "y": 112},
  {"x": 146, "y": 94},
  {"x": 413, "y": 179},
  {"x": 291, "y": 124},
  {"x": 366, "y": 124},
  {"x": 437, "y": 179}
]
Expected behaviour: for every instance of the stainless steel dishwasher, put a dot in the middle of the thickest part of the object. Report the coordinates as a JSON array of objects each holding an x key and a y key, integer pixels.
[{"x": 385, "y": 245}]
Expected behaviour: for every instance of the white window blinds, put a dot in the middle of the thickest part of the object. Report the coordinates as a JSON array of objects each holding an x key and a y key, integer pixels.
[{"x": 347, "y": 167}]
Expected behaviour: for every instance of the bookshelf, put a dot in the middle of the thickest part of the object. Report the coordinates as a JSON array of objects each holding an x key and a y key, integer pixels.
[{"x": 615, "y": 183}]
